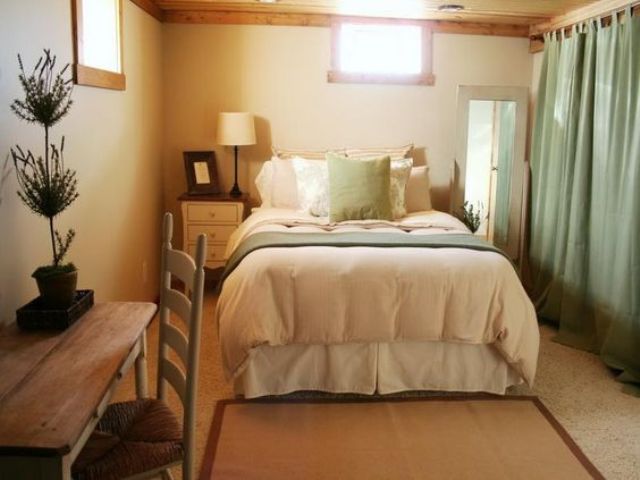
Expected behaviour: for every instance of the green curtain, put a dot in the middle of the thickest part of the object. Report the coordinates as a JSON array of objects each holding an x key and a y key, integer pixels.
[
  {"x": 506, "y": 112},
  {"x": 585, "y": 209}
]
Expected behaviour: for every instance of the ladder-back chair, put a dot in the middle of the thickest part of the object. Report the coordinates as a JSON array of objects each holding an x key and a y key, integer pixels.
[{"x": 148, "y": 425}]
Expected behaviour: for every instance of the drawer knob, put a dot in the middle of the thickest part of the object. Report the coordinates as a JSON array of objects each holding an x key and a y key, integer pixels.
[{"x": 212, "y": 214}]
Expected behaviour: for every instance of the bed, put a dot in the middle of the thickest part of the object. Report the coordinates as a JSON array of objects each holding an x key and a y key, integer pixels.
[{"x": 371, "y": 307}]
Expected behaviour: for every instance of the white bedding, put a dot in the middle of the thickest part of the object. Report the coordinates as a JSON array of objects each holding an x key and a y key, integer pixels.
[
  {"x": 281, "y": 219},
  {"x": 368, "y": 368},
  {"x": 333, "y": 296}
]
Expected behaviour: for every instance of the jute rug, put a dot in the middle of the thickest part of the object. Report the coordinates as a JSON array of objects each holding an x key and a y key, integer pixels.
[{"x": 483, "y": 437}]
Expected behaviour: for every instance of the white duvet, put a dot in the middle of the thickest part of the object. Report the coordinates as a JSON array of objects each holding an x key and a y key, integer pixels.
[{"x": 337, "y": 295}]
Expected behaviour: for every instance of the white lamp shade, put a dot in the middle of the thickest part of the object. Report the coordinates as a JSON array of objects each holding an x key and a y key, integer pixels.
[{"x": 236, "y": 128}]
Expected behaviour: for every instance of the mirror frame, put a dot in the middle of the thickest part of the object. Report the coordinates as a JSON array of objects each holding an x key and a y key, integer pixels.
[{"x": 519, "y": 95}]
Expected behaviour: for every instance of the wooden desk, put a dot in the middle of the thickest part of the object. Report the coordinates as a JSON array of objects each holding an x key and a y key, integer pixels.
[{"x": 54, "y": 387}]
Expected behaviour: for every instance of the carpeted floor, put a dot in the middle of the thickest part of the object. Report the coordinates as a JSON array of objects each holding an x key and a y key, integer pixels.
[{"x": 578, "y": 389}]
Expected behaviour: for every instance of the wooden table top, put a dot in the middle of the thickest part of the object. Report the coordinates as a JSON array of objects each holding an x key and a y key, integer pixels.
[{"x": 52, "y": 383}]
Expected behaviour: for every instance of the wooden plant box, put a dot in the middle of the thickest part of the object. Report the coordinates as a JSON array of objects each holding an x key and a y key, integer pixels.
[{"x": 35, "y": 316}]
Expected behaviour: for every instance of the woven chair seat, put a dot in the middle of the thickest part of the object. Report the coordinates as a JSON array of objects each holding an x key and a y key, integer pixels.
[{"x": 131, "y": 438}]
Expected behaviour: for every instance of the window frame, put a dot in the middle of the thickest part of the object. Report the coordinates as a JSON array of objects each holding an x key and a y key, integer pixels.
[
  {"x": 425, "y": 77},
  {"x": 91, "y": 76}
]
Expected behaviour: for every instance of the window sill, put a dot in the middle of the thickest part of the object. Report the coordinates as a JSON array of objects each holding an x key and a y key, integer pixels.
[
  {"x": 374, "y": 78},
  {"x": 95, "y": 77}
]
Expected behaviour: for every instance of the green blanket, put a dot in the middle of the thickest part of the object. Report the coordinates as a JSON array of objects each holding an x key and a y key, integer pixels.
[{"x": 354, "y": 239}]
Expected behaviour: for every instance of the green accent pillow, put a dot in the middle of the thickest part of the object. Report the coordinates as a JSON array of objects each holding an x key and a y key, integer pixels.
[{"x": 359, "y": 189}]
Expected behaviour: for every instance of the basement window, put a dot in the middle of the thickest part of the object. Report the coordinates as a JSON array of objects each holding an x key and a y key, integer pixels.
[
  {"x": 366, "y": 52},
  {"x": 97, "y": 30}
]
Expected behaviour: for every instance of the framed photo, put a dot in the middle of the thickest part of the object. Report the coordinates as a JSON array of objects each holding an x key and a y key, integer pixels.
[{"x": 202, "y": 174}]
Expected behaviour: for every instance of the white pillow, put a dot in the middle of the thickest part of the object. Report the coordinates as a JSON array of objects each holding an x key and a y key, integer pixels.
[
  {"x": 284, "y": 189},
  {"x": 263, "y": 182},
  {"x": 418, "y": 195},
  {"x": 400, "y": 171},
  {"x": 377, "y": 152},
  {"x": 312, "y": 177},
  {"x": 288, "y": 153}
]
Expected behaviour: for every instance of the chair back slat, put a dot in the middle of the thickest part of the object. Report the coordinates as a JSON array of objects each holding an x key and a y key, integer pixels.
[
  {"x": 178, "y": 303},
  {"x": 178, "y": 342},
  {"x": 187, "y": 346},
  {"x": 176, "y": 378},
  {"x": 182, "y": 266}
]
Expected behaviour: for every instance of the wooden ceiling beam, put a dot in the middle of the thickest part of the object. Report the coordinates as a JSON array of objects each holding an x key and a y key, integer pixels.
[
  {"x": 246, "y": 18},
  {"x": 151, "y": 8},
  {"x": 469, "y": 16},
  {"x": 478, "y": 28},
  {"x": 323, "y": 20},
  {"x": 472, "y": 15},
  {"x": 493, "y": 10}
]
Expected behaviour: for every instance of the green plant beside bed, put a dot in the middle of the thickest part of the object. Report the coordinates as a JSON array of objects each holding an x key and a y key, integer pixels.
[
  {"x": 47, "y": 187},
  {"x": 471, "y": 217}
]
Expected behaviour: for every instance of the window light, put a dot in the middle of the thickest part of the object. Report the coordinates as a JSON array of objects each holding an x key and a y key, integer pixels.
[
  {"x": 380, "y": 49},
  {"x": 100, "y": 34}
]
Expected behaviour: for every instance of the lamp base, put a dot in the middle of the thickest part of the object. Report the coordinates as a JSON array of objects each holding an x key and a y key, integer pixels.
[{"x": 235, "y": 191}]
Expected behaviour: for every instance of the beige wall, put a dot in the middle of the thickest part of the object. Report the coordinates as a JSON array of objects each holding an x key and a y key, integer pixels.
[
  {"x": 279, "y": 73},
  {"x": 113, "y": 140},
  {"x": 185, "y": 74}
]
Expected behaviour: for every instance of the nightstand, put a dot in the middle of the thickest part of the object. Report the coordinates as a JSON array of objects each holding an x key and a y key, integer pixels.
[{"x": 217, "y": 216}]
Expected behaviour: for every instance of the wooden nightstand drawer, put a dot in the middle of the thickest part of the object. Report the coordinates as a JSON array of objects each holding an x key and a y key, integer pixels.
[
  {"x": 213, "y": 213},
  {"x": 217, "y": 216},
  {"x": 215, "y": 253},
  {"x": 215, "y": 233}
]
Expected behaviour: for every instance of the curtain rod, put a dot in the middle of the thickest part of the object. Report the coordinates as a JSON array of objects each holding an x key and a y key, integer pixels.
[{"x": 605, "y": 17}]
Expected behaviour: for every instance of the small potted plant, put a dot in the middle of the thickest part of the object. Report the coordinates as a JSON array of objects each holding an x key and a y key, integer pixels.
[
  {"x": 47, "y": 187},
  {"x": 471, "y": 217}
]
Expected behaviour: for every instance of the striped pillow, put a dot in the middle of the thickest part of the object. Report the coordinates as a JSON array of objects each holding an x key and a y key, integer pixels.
[
  {"x": 287, "y": 154},
  {"x": 373, "y": 152}
]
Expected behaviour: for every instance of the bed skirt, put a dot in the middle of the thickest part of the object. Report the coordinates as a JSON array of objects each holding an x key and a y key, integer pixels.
[{"x": 381, "y": 368}]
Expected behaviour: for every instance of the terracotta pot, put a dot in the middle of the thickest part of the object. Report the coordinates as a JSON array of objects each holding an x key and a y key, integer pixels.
[{"x": 58, "y": 291}]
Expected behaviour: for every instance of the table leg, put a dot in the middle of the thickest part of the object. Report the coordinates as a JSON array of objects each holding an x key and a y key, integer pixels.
[{"x": 141, "y": 368}]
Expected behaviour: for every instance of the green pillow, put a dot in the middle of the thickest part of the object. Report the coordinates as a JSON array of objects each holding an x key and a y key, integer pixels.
[{"x": 359, "y": 189}]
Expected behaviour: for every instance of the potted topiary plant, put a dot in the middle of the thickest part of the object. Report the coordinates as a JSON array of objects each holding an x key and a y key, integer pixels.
[{"x": 47, "y": 187}]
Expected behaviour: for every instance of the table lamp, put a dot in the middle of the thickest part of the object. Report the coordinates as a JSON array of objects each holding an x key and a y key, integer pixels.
[{"x": 235, "y": 129}]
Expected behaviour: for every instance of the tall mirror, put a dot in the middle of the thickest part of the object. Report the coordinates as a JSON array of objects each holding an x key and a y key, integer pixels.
[{"x": 490, "y": 161}]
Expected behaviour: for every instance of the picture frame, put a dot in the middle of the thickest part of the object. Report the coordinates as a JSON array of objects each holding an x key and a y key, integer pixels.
[{"x": 201, "y": 173}]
